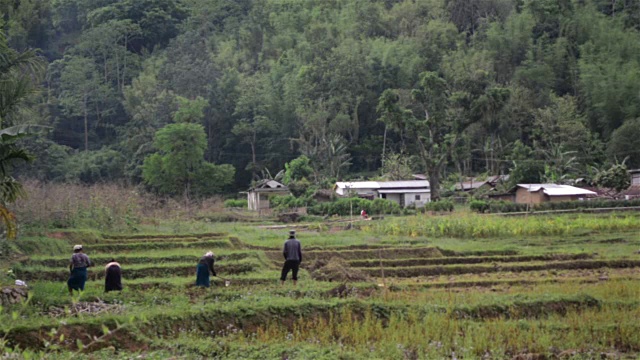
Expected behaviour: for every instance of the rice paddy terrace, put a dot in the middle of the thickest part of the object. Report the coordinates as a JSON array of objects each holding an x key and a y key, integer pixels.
[{"x": 393, "y": 299}]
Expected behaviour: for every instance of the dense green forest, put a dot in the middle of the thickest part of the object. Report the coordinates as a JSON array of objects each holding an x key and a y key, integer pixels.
[{"x": 181, "y": 95}]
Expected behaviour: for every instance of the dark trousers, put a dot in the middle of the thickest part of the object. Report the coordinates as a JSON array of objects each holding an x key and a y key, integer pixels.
[{"x": 292, "y": 265}]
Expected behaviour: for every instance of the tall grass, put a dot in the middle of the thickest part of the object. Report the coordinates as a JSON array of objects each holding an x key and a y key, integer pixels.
[
  {"x": 479, "y": 226},
  {"x": 105, "y": 207}
]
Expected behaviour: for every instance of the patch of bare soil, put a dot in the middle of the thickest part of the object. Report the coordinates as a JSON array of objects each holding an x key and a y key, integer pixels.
[
  {"x": 84, "y": 308},
  {"x": 336, "y": 269},
  {"x": 344, "y": 290}
]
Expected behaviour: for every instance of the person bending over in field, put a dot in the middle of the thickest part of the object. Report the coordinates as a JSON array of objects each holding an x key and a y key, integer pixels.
[
  {"x": 78, "y": 268},
  {"x": 292, "y": 258},
  {"x": 113, "y": 277},
  {"x": 202, "y": 271}
]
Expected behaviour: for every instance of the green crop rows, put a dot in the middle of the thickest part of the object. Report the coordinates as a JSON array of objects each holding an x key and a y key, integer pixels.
[{"x": 421, "y": 297}]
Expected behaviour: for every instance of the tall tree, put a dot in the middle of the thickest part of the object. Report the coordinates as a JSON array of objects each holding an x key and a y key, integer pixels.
[
  {"x": 82, "y": 91},
  {"x": 432, "y": 117}
]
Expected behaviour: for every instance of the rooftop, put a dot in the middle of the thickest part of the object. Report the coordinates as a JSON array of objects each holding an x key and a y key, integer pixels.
[
  {"x": 406, "y": 184},
  {"x": 557, "y": 190}
]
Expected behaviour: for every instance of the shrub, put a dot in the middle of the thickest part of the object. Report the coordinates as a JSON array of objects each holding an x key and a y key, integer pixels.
[
  {"x": 507, "y": 207},
  {"x": 439, "y": 206},
  {"x": 236, "y": 203},
  {"x": 347, "y": 206},
  {"x": 288, "y": 202},
  {"x": 480, "y": 206}
]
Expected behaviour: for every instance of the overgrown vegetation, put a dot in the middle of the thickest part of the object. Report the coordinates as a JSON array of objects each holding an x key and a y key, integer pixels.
[{"x": 482, "y": 206}]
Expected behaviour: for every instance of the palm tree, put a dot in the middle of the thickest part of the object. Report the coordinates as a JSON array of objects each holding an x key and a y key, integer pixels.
[{"x": 19, "y": 74}]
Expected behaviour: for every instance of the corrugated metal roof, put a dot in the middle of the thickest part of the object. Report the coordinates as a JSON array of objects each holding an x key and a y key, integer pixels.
[
  {"x": 404, "y": 184},
  {"x": 556, "y": 190},
  {"x": 358, "y": 185},
  {"x": 404, "y": 191},
  {"x": 408, "y": 184}
]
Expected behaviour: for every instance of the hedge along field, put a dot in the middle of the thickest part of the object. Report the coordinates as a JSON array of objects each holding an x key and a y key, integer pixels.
[
  {"x": 448, "y": 296},
  {"x": 483, "y": 226}
]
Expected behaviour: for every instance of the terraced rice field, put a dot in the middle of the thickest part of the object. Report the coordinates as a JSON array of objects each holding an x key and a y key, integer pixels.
[{"x": 417, "y": 299}]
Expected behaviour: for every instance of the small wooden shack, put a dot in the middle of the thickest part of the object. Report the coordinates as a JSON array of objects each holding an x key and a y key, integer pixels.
[{"x": 258, "y": 196}]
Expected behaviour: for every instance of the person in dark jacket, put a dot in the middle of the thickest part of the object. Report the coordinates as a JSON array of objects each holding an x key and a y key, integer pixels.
[
  {"x": 292, "y": 252},
  {"x": 78, "y": 268},
  {"x": 202, "y": 271},
  {"x": 113, "y": 277}
]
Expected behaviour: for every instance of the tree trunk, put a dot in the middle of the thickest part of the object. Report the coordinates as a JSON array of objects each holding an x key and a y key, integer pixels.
[
  {"x": 253, "y": 159},
  {"x": 384, "y": 143},
  {"x": 86, "y": 124},
  {"x": 434, "y": 182}
]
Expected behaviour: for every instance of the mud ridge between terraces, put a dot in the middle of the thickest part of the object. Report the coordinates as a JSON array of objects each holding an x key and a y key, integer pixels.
[
  {"x": 467, "y": 260},
  {"x": 163, "y": 236},
  {"x": 184, "y": 270},
  {"x": 457, "y": 270},
  {"x": 214, "y": 322},
  {"x": 385, "y": 253},
  {"x": 132, "y": 259},
  {"x": 158, "y": 240},
  {"x": 124, "y": 247}
]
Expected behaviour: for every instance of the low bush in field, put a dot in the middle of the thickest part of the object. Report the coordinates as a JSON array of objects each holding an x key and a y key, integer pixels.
[
  {"x": 482, "y": 206},
  {"x": 236, "y": 203},
  {"x": 439, "y": 206},
  {"x": 288, "y": 202},
  {"x": 348, "y": 206}
]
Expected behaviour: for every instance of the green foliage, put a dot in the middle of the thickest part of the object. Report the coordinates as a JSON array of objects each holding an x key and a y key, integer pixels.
[
  {"x": 297, "y": 169},
  {"x": 526, "y": 168},
  {"x": 178, "y": 168},
  {"x": 92, "y": 166},
  {"x": 353, "y": 206},
  {"x": 396, "y": 167},
  {"x": 625, "y": 142},
  {"x": 288, "y": 202},
  {"x": 439, "y": 206},
  {"x": 507, "y": 207},
  {"x": 236, "y": 203},
  {"x": 459, "y": 86},
  {"x": 617, "y": 177},
  {"x": 300, "y": 188},
  {"x": 480, "y": 206}
]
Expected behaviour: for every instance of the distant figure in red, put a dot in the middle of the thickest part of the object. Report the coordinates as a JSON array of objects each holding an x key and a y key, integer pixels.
[{"x": 364, "y": 214}]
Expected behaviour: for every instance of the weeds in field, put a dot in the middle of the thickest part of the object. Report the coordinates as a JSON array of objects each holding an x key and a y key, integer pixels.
[{"x": 479, "y": 226}]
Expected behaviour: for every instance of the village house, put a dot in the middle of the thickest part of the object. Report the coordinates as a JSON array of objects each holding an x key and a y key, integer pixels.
[
  {"x": 539, "y": 193},
  {"x": 635, "y": 177},
  {"x": 405, "y": 193},
  {"x": 258, "y": 196},
  {"x": 474, "y": 184}
]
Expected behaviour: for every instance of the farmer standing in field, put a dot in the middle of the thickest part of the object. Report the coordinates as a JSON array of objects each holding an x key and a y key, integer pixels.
[
  {"x": 292, "y": 258},
  {"x": 113, "y": 277},
  {"x": 78, "y": 268},
  {"x": 202, "y": 271}
]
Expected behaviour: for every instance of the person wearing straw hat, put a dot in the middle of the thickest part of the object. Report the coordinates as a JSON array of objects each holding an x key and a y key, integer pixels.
[
  {"x": 292, "y": 252},
  {"x": 112, "y": 277},
  {"x": 204, "y": 267},
  {"x": 78, "y": 268}
]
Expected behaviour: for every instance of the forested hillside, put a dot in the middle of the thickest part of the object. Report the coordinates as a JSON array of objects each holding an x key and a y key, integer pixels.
[{"x": 213, "y": 92}]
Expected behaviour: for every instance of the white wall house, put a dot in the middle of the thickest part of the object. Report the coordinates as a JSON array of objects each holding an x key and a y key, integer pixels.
[
  {"x": 635, "y": 177},
  {"x": 404, "y": 193}
]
